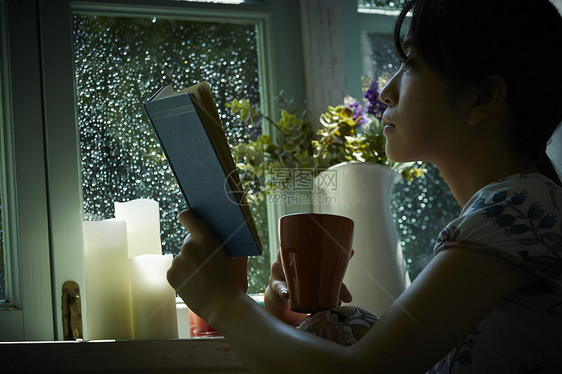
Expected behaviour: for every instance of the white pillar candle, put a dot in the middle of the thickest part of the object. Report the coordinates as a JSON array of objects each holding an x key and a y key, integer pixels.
[
  {"x": 143, "y": 226},
  {"x": 108, "y": 286},
  {"x": 154, "y": 300}
]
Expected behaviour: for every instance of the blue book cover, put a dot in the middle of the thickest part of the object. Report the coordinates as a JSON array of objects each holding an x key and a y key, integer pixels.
[{"x": 191, "y": 134}]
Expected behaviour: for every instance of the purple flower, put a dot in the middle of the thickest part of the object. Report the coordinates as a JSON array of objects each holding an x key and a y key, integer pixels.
[
  {"x": 375, "y": 107},
  {"x": 358, "y": 111}
]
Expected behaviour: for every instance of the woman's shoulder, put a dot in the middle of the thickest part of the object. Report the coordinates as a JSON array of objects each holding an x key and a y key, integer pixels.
[
  {"x": 517, "y": 218},
  {"x": 517, "y": 190},
  {"x": 517, "y": 204}
]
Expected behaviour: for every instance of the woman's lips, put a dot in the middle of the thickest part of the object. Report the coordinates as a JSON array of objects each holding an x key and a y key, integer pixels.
[{"x": 388, "y": 125}]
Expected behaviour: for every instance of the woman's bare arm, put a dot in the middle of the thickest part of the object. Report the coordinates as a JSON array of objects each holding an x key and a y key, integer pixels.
[{"x": 456, "y": 290}]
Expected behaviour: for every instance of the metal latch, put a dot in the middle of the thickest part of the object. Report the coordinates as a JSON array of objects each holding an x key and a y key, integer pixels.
[{"x": 71, "y": 311}]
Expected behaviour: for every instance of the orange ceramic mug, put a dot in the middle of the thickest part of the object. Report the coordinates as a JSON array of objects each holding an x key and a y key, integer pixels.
[{"x": 315, "y": 251}]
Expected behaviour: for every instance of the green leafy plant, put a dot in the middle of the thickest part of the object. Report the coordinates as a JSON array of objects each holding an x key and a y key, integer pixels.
[
  {"x": 288, "y": 147},
  {"x": 352, "y": 131}
]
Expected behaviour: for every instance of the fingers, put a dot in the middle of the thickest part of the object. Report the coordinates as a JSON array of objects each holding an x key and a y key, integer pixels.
[
  {"x": 277, "y": 270},
  {"x": 280, "y": 288},
  {"x": 277, "y": 278},
  {"x": 345, "y": 295},
  {"x": 194, "y": 225},
  {"x": 199, "y": 232},
  {"x": 205, "y": 266}
]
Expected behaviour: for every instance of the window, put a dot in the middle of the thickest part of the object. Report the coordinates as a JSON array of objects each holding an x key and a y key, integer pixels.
[
  {"x": 70, "y": 115},
  {"x": 120, "y": 62}
]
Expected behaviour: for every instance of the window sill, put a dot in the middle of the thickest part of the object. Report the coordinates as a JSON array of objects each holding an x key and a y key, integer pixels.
[
  {"x": 211, "y": 355},
  {"x": 183, "y": 355}
]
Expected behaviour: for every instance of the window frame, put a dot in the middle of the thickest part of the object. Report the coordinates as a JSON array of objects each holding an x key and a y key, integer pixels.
[{"x": 28, "y": 315}]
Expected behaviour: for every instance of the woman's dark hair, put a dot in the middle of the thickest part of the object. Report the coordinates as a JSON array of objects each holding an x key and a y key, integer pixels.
[{"x": 519, "y": 40}]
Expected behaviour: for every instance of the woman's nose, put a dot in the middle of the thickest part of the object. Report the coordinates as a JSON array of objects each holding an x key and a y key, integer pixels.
[{"x": 388, "y": 93}]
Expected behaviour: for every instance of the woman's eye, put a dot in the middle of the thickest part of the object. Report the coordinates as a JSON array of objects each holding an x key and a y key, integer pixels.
[{"x": 406, "y": 64}]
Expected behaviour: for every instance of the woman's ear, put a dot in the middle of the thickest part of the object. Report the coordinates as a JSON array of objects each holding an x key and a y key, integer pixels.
[{"x": 488, "y": 99}]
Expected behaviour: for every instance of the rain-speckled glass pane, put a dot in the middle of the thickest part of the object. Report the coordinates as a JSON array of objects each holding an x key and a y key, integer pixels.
[
  {"x": 380, "y": 54},
  {"x": 420, "y": 208},
  {"x": 381, "y": 4},
  {"x": 122, "y": 61}
]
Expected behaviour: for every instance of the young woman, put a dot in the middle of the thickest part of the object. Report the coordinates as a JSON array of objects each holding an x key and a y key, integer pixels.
[{"x": 478, "y": 95}]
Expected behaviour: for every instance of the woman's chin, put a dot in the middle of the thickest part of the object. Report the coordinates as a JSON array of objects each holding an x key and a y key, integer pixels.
[{"x": 395, "y": 155}]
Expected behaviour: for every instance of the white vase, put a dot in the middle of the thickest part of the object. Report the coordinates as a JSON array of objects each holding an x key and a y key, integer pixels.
[
  {"x": 283, "y": 201},
  {"x": 377, "y": 273}
]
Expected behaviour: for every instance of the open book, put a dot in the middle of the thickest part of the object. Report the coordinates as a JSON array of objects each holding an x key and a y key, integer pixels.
[{"x": 188, "y": 126}]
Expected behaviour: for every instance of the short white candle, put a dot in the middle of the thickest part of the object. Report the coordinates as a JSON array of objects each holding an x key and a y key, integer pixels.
[
  {"x": 108, "y": 287},
  {"x": 154, "y": 300},
  {"x": 143, "y": 226}
]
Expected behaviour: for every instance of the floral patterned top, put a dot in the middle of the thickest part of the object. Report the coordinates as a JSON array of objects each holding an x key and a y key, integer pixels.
[{"x": 519, "y": 220}]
